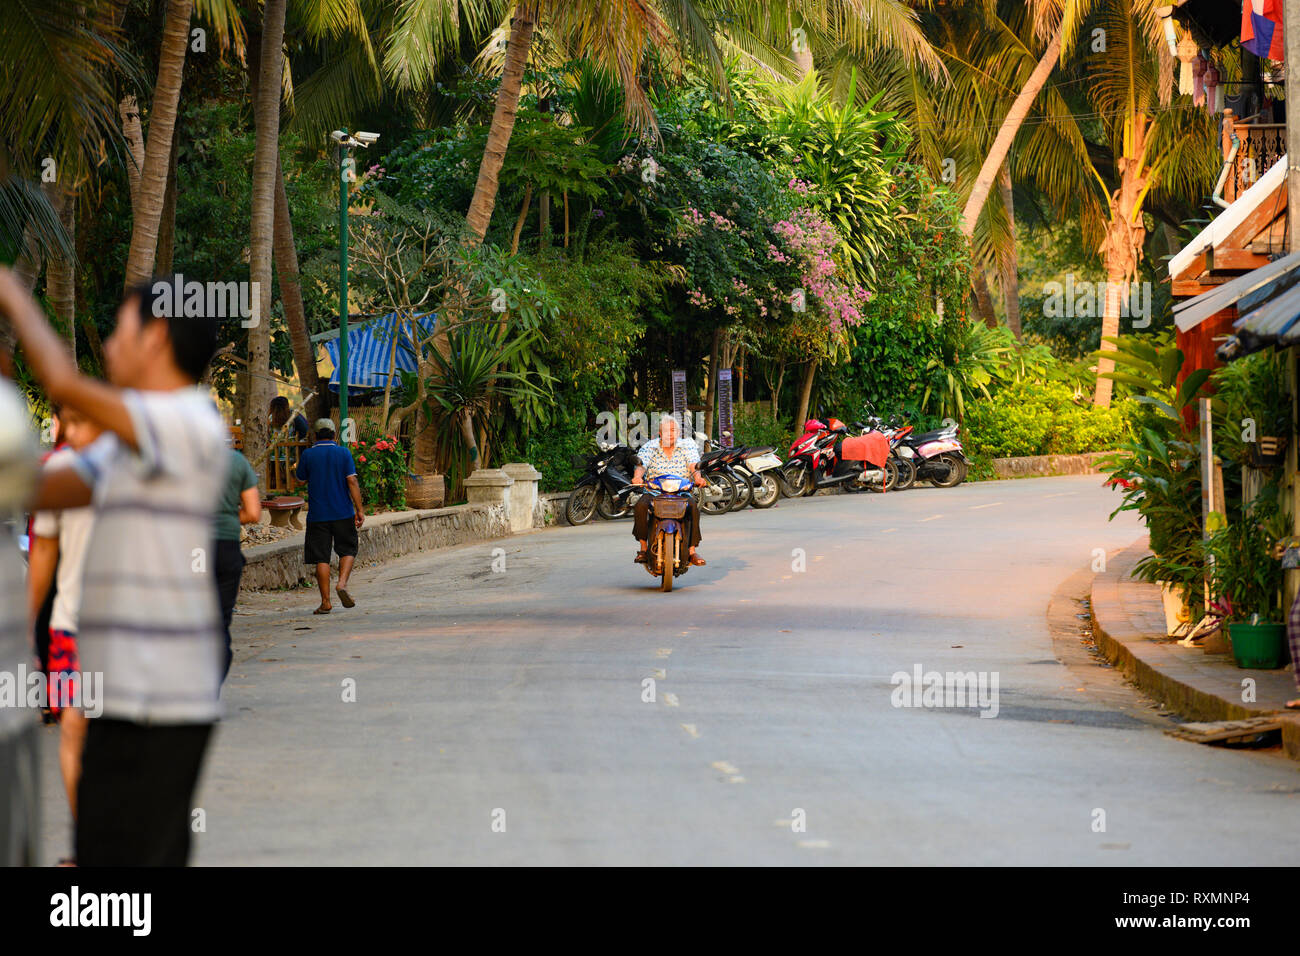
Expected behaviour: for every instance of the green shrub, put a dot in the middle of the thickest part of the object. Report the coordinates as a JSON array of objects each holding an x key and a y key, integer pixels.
[
  {"x": 755, "y": 424},
  {"x": 551, "y": 449},
  {"x": 381, "y": 470},
  {"x": 1030, "y": 418}
]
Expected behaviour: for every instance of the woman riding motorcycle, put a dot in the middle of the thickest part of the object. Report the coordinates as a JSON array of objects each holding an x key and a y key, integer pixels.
[{"x": 670, "y": 457}]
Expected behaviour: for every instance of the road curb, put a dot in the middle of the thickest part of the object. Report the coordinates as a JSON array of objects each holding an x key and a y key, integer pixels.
[
  {"x": 1128, "y": 625},
  {"x": 1049, "y": 466},
  {"x": 279, "y": 564}
]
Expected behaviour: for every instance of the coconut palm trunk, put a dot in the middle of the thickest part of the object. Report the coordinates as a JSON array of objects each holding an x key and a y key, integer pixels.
[
  {"x": 1011, "y": 124},
  {"x": 266, "y": 161},
  {"x": 984, "y": 298},
  {"x": 295, "y": 314},
  {"x": 522, "y": 26},
  {"x": 1122, "y": 247},
  {"x": 1008, "y": 262},
  {"x": 61, "y": 270},
  {"x": 424, "y": 449},
  {"x": 157, "y": 152}
]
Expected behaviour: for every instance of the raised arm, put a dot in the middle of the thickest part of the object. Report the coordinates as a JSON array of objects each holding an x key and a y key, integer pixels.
[{"x": 54, "y": 367}]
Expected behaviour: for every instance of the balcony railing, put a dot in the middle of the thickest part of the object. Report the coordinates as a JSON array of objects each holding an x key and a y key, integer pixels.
[{"x": 1259, "y": 146}]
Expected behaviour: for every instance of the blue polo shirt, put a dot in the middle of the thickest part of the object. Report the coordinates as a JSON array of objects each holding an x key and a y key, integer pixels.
[{"x": 326, "y": 466}]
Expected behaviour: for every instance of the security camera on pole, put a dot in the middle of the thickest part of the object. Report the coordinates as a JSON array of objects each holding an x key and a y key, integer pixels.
[{"x": 347, "y": 174}]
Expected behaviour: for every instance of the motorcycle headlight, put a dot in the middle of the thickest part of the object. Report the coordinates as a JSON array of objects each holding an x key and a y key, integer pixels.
[{"x": 670, "y": 485}]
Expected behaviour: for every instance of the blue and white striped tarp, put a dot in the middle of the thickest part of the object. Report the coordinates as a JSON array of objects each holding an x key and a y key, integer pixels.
[{"x": 370, "y": 346}]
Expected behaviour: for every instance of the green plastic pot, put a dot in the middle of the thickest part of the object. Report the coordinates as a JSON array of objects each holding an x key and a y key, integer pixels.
[{"x": 1258, "y": 646}]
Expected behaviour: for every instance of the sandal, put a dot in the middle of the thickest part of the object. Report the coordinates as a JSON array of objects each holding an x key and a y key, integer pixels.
[
  {"x": 322, "y": 610},
  {"x": 640, "y": 557},
  {"x": 345, "y": 597},
  {"x": 697, "y": 561}
]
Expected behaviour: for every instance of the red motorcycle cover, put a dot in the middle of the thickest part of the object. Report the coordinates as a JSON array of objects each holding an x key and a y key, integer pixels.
[{"x": 872, "y": 448}]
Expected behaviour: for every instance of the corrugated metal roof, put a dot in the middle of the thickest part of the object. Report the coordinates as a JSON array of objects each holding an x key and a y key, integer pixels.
[
  {"x": 1256, "y": 284},
  {"x": 1273, "y": 319}
]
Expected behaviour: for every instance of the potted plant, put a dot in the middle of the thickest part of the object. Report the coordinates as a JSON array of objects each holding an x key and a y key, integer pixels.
[
  {"x": 1247, "y": 579},
  {"x": 1158, "y": 470}
]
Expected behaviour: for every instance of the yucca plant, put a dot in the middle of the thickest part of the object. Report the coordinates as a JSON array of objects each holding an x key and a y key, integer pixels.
[{"x": 470, "y": 376}]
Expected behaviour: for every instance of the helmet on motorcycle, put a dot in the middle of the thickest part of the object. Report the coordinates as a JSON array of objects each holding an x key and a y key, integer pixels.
[
  {"x": 835, "y": 425},
  {"x": 813, "y": 425}
]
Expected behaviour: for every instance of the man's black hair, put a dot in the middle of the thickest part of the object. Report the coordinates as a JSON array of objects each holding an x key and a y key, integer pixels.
[
  {"x": 280, "y": 401},
  {"x": 325, "y": 434},
  {"x": 193, "y": 338}
]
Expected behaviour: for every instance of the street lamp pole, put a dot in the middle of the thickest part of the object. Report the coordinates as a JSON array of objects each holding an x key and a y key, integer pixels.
[{"x": 347, "y": 174}]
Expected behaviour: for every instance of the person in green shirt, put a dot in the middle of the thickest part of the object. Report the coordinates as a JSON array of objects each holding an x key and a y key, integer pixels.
[{"x": 241, "y": 503}]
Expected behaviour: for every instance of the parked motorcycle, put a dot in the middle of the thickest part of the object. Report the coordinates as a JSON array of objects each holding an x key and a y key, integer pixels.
[
  {"x": 761, "y": 468},
  {"x": 900, "y": 454},
  {"x": 814, "y": 463},
  {"x": 939, "y": 457},
  {"x": 606, "y": 487},
  {"x": 721, "y": 487},
  {"x": 667, "y": 546}
]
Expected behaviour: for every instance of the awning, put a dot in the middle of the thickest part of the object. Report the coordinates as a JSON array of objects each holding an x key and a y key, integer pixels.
[
  {"x": 370, "y": 348},
  {"x": 1253, "y": 286},
  {"x": 1270, "y": 315}
]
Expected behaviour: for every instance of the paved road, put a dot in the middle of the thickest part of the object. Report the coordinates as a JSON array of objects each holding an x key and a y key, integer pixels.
[{"x": 516, "y": 697}]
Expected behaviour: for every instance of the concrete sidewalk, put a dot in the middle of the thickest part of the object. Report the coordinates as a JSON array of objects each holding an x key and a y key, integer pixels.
[{"x": 1129, "y": 626}]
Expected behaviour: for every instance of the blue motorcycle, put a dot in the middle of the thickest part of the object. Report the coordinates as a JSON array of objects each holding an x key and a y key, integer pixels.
[{"x": 668, "y": 546}]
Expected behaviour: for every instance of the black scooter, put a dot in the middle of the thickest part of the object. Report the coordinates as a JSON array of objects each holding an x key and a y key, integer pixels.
[{"x": 606, "y": 487}]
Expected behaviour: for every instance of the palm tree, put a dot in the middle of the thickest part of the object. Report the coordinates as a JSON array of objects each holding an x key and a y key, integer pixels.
[
  {"x": 271, "y": 229},
  {"x": 158, "y": 146},
  {"x": 1157, "y": 148},
  {"x": 57, "y": 121},
  {"x": 266, "y": 165},
  {"x": 615, "y": 35},
  {"x": 1057, "y": 22}
]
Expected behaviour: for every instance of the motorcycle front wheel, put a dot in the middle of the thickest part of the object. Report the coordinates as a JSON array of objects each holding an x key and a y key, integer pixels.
[
  {"x": 767, "y": 490},
  {"x": 717, "y": 494},
  {"x": 906, "y": 474},
  {"x": 668, "y": 559},
  {"x": 610, "y": 509},
  {"x": 581, "y": 504},
  {"x": 891, "y": 477},
  {"x": 799, "y": 480}
]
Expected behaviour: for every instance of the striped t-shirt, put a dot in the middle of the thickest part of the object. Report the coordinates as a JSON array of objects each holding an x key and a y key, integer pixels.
[{"x": 150, "y": 619}]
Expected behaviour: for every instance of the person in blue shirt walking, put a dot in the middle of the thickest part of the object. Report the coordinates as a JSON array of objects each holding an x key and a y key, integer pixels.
[{"x": 334, "y": 511}]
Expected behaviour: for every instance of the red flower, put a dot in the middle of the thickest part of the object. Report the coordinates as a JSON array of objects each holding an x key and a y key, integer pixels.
[{"x": 362, "y": 459}]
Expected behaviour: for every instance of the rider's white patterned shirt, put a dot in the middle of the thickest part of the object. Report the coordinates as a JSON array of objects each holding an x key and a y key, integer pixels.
[{"x": 658, "y": 463}]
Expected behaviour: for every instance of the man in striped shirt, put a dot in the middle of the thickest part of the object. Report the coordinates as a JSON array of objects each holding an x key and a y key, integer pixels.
[{"x": 150, "y": 619}]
